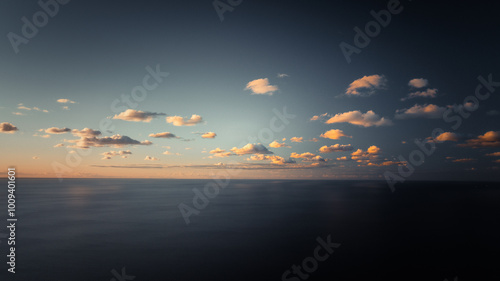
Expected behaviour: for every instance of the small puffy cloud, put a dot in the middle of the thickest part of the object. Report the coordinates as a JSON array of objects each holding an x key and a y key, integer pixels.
[
  {"x": 297, "y": 139},
  {"x": 282, "y": 75},
  {"x": 489, "y": 139},
  {"x": 209, "y": 135},
  {"x": 334, "y": 134},
  {"x": 371, "y": 153},
  {"x": 251, "y": 149},
  {"x": 86, "y": 133},
  {"x": 110, "y": 154},
  {"x": 335, "y": 148},
  {"x": 276, "y": 144},
  {"x": 149, "y": 158},
  {"x": 65, "y": 101},
  {"x": 366, "y": 86},
  {"x": 165, "y": 135},
  {"x": 343, "y": 158},
  {"x": 181, "y": 121},
  {"x": 137, "y": 115},
  {"x": 318, "y": 117},
  {"x": 55, "y": 130},
  {"x": 429, "y": 93},
  {"x": 36, "y": 157},
  {"x": 430, "y": 111},
  {"x": 59, "y": 145},
  {"x": 418, "y": 83},
  {"x": 367, "y": 119},
  {"x": 8, "y": 128},
  {"x": 447, "y": 136},
  {"x": 261, "y": 87}
]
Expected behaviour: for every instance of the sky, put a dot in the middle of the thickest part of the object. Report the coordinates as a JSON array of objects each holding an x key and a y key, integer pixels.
[{"x": 250, "y": 89}]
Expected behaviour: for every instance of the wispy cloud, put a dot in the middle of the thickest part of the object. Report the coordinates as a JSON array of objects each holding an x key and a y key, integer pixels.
[
  {"x": 165, "y": 135},
  {"x": 65, "y": 101},
  {"x": 21, "y": 106},
  {"x": 430, "y": 111},
  {"x": 367, "y": 119},
  {"x": 137, "y": 115}
]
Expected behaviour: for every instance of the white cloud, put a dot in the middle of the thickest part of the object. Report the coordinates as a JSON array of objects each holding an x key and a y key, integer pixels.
[
  {"x": 209, "y": 135},
  {"x": 430, "y": 111},
  {"x": 367, "y": 119},
  {"x": 137, "y": 115},
  {"x": 65, "y": 101},
  {"x": 366, "y": 86},
  {"x": 282, "y": 75},
  {"x": 165, "y": 135},
  {"x": 334, "y": 134},
  {"x": 261, "y": 87},
  {"x": 8, "y": 128},
  {"x": 181, "y": 121},
  {"x": 429, "y": 93},
  {"x": 335, "y": 148},
  {"x": 251, "y": 149},
  {"x": 276, "y": 144},
  {"x": 418, "y": 83},
  {"x": 55, "y": 130}
]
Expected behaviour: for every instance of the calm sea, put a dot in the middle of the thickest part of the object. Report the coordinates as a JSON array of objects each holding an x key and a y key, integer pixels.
[{"x": 93, "y": 229}]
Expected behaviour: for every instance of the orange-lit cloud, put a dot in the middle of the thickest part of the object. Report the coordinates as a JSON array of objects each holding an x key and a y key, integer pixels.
[
  {"x": 366, "y": 86},
  {"x": 431, "y": 111},
  {"x": 181, "y": 121},
  {"x": 334, "y": 134},
  {"x": 367, "y": 119},
  {"x": 8, "y": 128},
  {"x": 137, "y": 115},
  {"x": 335, "y": 148},
  {"x": 261, "y": 87}
]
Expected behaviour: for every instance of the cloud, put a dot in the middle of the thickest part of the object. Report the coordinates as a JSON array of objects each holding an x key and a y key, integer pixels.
[
  {"x": 496, "y": 154},
  {"x": 276, "y": 144},
  {"x": 86, "y": 133},
  {"x": 65, "y": 107},
  {"x": 59, "y": 145},
  {"x": 388, "y": 163},
  {"x": 447, "y": 136},
  {"x": 8, "y": 128},
  {"x": 18, "y": 113},
  {"x": 334, "y": 134},
  {"x": 343, "y": 158},
  {"x": 371, "y": 153},
  {"x": 464, "y": 160},
  {"x": 137, "y": 115},
  {"x": 36, "y": 157},
  {"x": 282, "y": 75},
  {"x": 318, "y": 117},
  {"x": 335, "y": 148},
  {"x": 314, "y": 140},
  {"x": 308, "y": 157},
  {"x": 274, "y": 159},
  {"x": 261, "y": 87},
  {"x": 489, "y": 139},
  {"x": 110, "y": 154},
  {"x": 55, "y": 130},
  {"x": 220, "y": 153},
  {"x": 296, "y": 139},
  {"x": 209, "y": 135},
  {"x": 251, "y": 149},
  {"x": 165, "y": 135},
  {"x": 65, "y": 101},
  {"x": 88, "y": 138},
  {"x": 430, "y": 111},
  {"x": 149, "y": 158},
  {"x": 181, "y": 121},
  {"x": 21, "y": 106},
  {"x": 418, "y": 83},
  {"x": 429, "y": 93},
  {"x": 367, "y": 119},
  {"x": 366, "y": 86}
]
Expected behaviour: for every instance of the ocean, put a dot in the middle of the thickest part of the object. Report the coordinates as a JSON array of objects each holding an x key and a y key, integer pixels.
[{"x": 133, "y": 229}]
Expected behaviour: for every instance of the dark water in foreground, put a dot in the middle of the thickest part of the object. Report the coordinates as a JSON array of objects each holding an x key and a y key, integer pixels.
[{"x": 253, "y": 230}]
